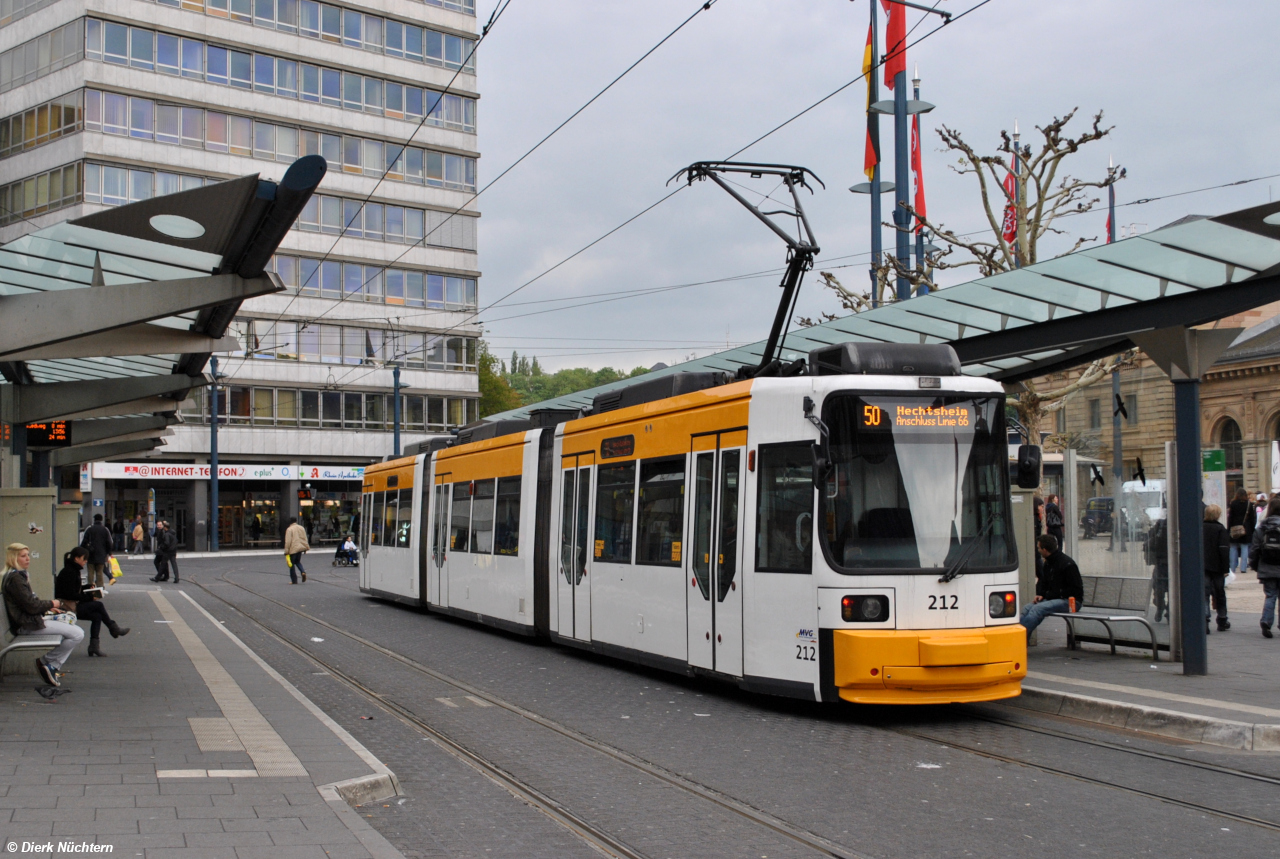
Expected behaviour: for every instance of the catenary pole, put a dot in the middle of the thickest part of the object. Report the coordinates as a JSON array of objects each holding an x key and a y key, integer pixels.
[
  {"x": 1117, "y": 436},
  {"x": 213, "y": 457},
  {"x": 901, "y": 176},
  {"x": 915, "y": 93},
  {"x": 873, "y": 130},
  {"x": 395, "y": 386}
]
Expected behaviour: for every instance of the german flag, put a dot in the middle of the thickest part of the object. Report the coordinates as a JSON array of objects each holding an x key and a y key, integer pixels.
[{"x": 872, "y": 157}]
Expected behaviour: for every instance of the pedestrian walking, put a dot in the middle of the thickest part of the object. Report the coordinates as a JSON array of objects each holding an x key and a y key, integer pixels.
[
  {"x": 1264, "y": 557},
  {"x": 99, "y": 543},
  {"x": 136, "y": 536},
  {"x": 1242, "y": 519},
  {"x": 166, "y": 544},
  {"x": 83, "y": 599},
  {"x": 1053, "y": 521},
  {"x": 1156, "y": 553},
  {"x": 295, "y": 545},
  {"x": 1055, "y": 586},
  {"x": 25, "y": 613},
  {"x": 1217, "y": 563}
]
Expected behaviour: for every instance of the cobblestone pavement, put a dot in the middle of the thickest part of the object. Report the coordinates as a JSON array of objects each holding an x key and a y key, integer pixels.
[
  {"x": 881, "y": 782},
  {"x": 117, "y": 760}
]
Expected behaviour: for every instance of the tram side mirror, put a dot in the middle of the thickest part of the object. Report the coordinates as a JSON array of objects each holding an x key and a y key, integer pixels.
[{"x": 1028, "y": 466}]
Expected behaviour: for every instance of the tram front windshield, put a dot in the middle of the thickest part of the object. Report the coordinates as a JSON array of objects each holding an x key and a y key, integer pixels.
[{"x": 917, "y": 483}]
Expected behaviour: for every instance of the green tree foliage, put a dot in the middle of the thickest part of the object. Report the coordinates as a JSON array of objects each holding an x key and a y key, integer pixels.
[
  {"x": 532, "y": 385},
  {"x": 496, "y": 395}
]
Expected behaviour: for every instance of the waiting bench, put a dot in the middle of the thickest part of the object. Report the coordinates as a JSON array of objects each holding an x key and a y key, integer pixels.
[
  {"x": 28, "y": 642},
  {"x": 1103, "y": 594}
]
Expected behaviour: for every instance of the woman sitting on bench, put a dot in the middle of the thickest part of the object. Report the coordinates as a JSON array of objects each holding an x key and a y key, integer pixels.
[
  {"x": 83, "y": 600},
  {"x": 25, "y": 612}
]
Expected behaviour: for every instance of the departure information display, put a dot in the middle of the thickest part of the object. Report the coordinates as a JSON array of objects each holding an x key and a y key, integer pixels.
[{"x": 49, "y": 434}]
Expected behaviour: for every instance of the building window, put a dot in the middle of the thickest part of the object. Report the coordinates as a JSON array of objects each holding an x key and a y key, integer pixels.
[
  {"x": 1230, "y": 440},
  {"x": 1131, "y": 406},
  {"x": 44, "y": 55},
  {"x": 1095, "y": 414}
]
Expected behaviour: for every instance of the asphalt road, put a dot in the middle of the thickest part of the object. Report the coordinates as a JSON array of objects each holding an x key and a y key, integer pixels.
[{"x": 669, "y": 766}]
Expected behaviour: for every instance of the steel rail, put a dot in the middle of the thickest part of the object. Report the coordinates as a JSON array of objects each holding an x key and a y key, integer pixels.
[{"x": 755, "y": 815}]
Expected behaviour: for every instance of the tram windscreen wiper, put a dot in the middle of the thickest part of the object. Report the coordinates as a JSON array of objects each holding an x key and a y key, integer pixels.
[{"x": 957, "y": 568}]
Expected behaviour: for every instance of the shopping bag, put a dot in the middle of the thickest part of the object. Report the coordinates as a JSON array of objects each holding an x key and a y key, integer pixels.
[
  {"x": 288, "y": 562},
  {"x": 1231, "y": 579},
  {"x": 115, "y": 569}
]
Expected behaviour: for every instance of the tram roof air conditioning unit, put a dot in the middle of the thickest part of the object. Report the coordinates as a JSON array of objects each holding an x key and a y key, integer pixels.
[
  {"x": 661, "y": 388},
  {"x": 885, "y": 359},
  {"x": 545, "y": 418},
  {"x": 484, "y": 430}
]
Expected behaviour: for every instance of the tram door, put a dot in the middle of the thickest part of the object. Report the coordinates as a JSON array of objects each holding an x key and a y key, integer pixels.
[
  {"x": 440, "y": 541},
  {"x": 715, "y": 594},
  {"x": 573, "y": 586}
]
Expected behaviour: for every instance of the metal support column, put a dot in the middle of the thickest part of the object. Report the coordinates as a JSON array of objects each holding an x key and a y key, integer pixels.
[
  {"x": 1117, "y": 463},
  {"x": 902, "y": 179},
  {"x": 395, "y": 387},
  {"x": 213, "y": 456},
  {"x": 1186, "y": 407}
]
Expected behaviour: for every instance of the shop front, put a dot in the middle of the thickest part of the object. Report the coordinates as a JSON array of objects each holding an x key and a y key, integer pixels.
[{"x": 255, "y": 501}]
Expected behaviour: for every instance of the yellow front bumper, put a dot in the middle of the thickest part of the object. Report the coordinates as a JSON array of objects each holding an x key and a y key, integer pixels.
[{"x": 935, "y": 666}]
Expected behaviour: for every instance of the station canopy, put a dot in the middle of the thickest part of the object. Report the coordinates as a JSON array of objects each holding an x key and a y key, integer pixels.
[
  {"x": 111, "y": 318},
  {"x": 1055, "y": 314}
]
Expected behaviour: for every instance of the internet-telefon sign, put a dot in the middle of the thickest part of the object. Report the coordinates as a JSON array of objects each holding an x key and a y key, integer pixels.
[{"x": 178, "y": 471}]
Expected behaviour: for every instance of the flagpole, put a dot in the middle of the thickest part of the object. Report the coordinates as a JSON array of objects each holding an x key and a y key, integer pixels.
[
  {"x": 1017, "y": 199},
  {"x": 901, "y": 170},
  {"x": 1111, "y": 201},
  {"x": 873, "y": 130},
  {"x": 915, "y": 93}
]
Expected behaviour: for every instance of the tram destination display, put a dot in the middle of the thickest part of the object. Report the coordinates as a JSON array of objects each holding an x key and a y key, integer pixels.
[{"x": 916, "y": 416}]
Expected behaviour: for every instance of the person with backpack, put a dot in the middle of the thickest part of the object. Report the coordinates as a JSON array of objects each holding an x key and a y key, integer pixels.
[
  {"x": 1217, "y": 563},
  {"x": 1242, "y": 519},
  {"x": 1264, "y": 559},
  {"x": 1053, "y": 522}
]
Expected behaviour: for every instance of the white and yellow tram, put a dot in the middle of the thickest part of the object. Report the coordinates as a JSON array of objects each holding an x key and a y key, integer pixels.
[{"x": 845, "y": 535}]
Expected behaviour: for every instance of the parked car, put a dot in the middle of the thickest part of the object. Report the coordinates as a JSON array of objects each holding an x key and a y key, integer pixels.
[{"x": 1097, "y": 517}]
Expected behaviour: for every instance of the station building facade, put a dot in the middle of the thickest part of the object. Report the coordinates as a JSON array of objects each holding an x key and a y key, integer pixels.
[{"x": 107, "y": 102}]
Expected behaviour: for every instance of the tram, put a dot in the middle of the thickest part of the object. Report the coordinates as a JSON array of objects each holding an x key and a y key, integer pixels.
[{"x": 841, "y": 534}]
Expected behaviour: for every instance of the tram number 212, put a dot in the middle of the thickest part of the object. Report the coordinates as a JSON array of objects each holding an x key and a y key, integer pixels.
[{"x": 943, "y": 602}]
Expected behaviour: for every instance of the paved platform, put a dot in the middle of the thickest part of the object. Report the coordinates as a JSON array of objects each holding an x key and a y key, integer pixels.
[
  {"x": 1236, "y": 705},
  {"x": 182, "y": 741}
]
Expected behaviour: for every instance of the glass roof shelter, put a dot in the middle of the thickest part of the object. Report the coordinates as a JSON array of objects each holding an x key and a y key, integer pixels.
[
  {"x": 109, "y": 320},
  {"x": 1149, "y": 291}
]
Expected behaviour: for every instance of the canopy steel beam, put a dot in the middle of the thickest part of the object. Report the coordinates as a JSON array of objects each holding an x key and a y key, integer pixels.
[
  {"x": 99, "y": 452},
  {"x": 143, "y": 339},
  {"x": 40, "y": 319},
  {"x": 98, "y": 432},
  {"x": 1189, "y": 309},
  {"x": 143, "y": 406},
  {"x": 24, "y": 404}
]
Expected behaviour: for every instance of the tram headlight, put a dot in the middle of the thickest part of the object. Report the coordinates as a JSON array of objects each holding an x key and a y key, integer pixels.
[
  {"x": 864, "y": 608},
  {"x": 1002, "y": 604}
]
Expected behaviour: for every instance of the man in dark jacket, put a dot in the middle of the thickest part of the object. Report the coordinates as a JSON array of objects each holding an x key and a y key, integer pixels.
[
  {"x": 97, "y": 540},
  {"x": 166, "y": 551},
  {"x": 1057, "y": 582}
]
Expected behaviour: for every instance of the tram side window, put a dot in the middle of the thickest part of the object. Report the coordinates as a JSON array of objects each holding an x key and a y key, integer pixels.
[
  {"x": 404, "y": 521},
  {"x": 389, "y": 518},
  {"x": 615, "y": 501},
  {"x": 506, "y": 519},
  {"x": 661, "y": 522},
  {"x": 784, "y": 509},
  {"x": 482, "y": 518},
  {"x": 375, "y": 519},
  {"x": 460, "y": 521}
]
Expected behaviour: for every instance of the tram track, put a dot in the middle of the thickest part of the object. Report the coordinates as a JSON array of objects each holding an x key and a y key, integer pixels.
[
  {"x": 809, "y": 839},
  {"x": 597, "y": 838}
]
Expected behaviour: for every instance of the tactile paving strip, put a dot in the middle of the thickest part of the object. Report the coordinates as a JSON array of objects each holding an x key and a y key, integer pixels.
[{"x": 270, "y": 755}]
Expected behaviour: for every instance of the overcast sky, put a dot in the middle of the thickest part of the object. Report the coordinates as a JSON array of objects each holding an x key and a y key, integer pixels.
[{"x": 1189, "y": 87}]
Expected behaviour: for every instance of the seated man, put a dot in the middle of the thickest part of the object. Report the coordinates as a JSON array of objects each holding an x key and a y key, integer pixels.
[
  {"x": 25, "y": 613},
  {"x": 1058, "y": 581},
  {"x": 347, "y": 550}
]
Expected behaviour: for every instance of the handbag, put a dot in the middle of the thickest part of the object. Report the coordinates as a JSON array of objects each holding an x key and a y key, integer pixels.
[
  {"x": 1237, "y": 531},
  {"x": 61, "y": 617}
]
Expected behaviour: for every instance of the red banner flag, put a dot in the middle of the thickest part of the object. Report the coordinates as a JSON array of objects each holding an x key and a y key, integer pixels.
[
  {"x": 1108, "y": 229},
  {"x": 1010, "y": 227},
  {"x": 872, "y": 156},
  {"x": 917, "y": 167},
  {"x": 895, "y": 41}
]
